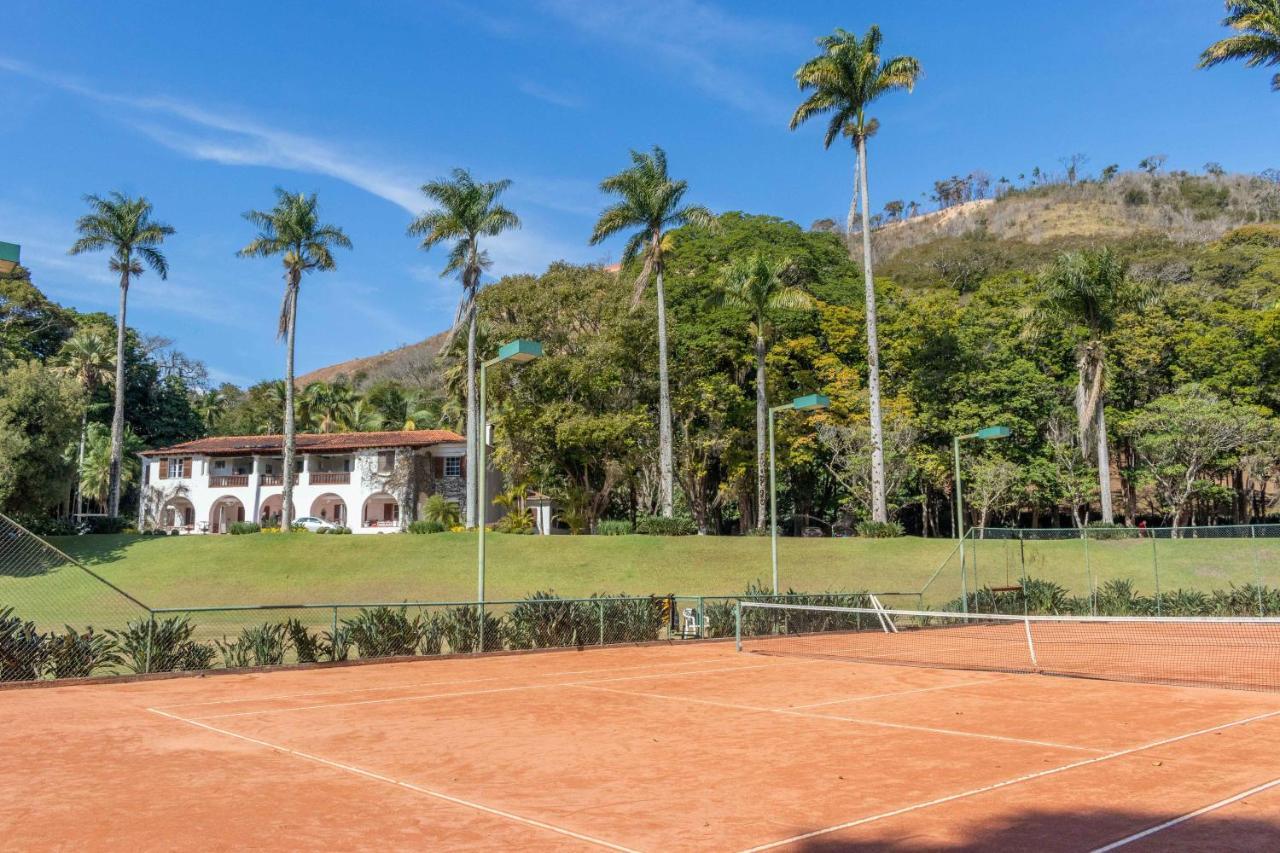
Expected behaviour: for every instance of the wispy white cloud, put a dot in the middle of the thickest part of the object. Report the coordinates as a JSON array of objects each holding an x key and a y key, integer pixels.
[
  {"x": 693, "y": 39},
  {"x": 546, "y": 93}
]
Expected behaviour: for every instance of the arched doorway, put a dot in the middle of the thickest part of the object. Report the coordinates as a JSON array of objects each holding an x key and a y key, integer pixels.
[
  {"x": 330, "y": 507},
  {"x": 225, "y": 512},
  {"x": 381, "y": 510},
  {"x": 271, "y": 509},
  {"x": 177, "y": 514}
]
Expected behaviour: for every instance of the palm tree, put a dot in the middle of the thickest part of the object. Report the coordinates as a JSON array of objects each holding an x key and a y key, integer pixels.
[
  {"x": 364, "y": 417},
  {"x": 123, "y": 225},
  {"x": 1090, "y": 289},
  {"x": 1258, "y": 42},
  {"x": 86, "y": 357},
  {"x": 650, "y": 201},
  {"x": 94, "y": 469},
  {"x": 210, "y": 406},
  {"x": 327, "y": 407},
  {"x": 467, "y": 210},
  {"x": 843, "y": 81},
  {"x": 759, "y": 285},
  {"x": 292, "y": 229}
]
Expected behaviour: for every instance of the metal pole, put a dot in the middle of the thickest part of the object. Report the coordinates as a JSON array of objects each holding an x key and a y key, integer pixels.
[
  {"x": 1257, "y": 568},
  {"x": 737, "y": 624},
  {"x": 151, "y": 626},
  {"x": 1155, "y": 570},
  {"x": 1088, "y": 573},
  {"x": 602, "y": 622},
  {"x": 773, "y": 504},
  {"x": 480, "y": 478},
  {"x": 702, "y": 623},
  {"x": 959, "y": 501}
]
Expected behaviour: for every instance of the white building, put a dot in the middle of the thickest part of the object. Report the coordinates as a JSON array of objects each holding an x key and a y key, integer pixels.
[{"x": 372, "y": 482}]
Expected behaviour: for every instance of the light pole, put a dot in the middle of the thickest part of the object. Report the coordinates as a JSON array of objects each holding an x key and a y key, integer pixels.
[
  {"x": 984, "y": 434},
  {"x": 518, "y": 351},
  {"x": 807, "y": 403}
]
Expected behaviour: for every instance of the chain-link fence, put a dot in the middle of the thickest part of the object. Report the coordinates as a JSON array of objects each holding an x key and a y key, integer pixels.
[{"x": 1185, "y": 571}]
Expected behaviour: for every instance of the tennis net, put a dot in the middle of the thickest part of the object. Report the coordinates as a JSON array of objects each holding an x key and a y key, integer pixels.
[{"x": 1233, "y": 652}]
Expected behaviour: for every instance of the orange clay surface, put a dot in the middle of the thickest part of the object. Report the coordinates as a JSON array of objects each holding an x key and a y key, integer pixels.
[{"x": 691, "y": 747}]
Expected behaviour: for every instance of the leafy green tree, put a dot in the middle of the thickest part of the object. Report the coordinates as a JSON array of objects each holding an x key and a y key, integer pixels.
[
  {"x": 327, "y": 407},
  {"x": 31, "y": 325},
  {"x": 39, "y": 415},
  {"x": 1089, "y": 289},
  {"x": 94, "y": 469},
  {"x": 759, "y": 285},
  {"x": 466, "y": 210},
  {"x": 86, "y": 358},
  {"x": 124, "y": 226},
  {"x": 292, "y": 230},
  {"x": 843, "y": 81},
  {"x": 652, "y": 203},
  {"x": 441, "y": 510},
  {"x": 211, "y": 406},
  {"x": 1257, "y": 23}
]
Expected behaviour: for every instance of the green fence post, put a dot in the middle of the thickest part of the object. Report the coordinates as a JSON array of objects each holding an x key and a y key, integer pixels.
[
  {"x": 1257, "y": 568},
  {"x": 334, "y": 641},
  {"x": 702, "y": 623},
  {"x": 601, "y": 606},
  {"x": 151, "y": 627},
  {"x": 1155, "y": 569},
  {"x": 737, "y": 625}
]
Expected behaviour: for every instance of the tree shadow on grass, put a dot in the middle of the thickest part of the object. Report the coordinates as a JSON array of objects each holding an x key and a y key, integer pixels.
[{"x": 1045, "y": 830}]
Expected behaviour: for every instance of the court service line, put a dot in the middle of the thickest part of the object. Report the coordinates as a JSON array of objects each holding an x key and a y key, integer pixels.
[
  {"x": 892, "y": 693},
  {"x": 1138, "y": 836},
  {"x": 349, "y": 690},
  {"x": 512, "y": 689},
  {"x": 793, "y": 713},
  {"x": 995, "y": 786},
  {"x": 369, "y": 774}
]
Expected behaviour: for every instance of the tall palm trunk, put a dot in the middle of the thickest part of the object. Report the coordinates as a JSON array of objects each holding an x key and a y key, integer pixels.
[
  {"x": 286, "y": 511},
  {"x": 665, "y": 485},
  {"x": 84, "y": 429},
  {"x": 879, "y": 512},
  {"x": 473, "y": 429},
  {"x": 117, "y": 417},
  {"x": 1091, "y": 402},
  {"x": 1104, "y": 465},
  {"x": 762, "y": 414}
]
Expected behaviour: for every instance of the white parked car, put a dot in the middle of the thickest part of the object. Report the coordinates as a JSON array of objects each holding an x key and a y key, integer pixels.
[{"x": 313, "y": 524}]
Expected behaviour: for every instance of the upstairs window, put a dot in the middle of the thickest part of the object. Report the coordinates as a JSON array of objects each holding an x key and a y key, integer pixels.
[
  {"x": 176, "y": 467},
  {"x": 453, "y": 466},
  {"x": 386, "y": 461}
]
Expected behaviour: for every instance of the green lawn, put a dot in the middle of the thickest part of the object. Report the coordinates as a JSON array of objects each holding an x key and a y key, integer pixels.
[{"x": 207, "y": 571}]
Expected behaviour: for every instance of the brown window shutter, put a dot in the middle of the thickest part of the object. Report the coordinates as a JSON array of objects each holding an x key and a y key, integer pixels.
[
  {"x": 164, "y": 469},
  {"x": 439, "y": 467},
  {"x": 240, "y": 513},
  {"x": 462, "y": 467},
  {"x": 186, "y": 467}
]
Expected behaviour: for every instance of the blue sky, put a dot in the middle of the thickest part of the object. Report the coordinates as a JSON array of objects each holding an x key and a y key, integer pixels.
[{"x": 204, "y": 108}]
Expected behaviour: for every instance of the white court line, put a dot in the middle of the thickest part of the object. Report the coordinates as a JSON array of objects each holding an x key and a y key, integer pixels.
[
  {"x": 892, "y": 693},
  {"x": 368, "y": 774},
  {"x": 512, "y": 689},
  {"x": 348, "y": 690},
  {"x": 794, "y": 713},
  {"x": 1138, "y": 836},
  {"x": 1005, "y": 784}
]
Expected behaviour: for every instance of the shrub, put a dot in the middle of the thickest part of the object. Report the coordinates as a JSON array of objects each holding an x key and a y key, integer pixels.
[
  {"x": 308, "y": 647},
  {"x": 1135, "y": 197},
  {"x": 106, "y": 524},
  {"x": 23, "y": 649},
  {"x": 170, "y": 642},
  {"x": 544, "y": 620},
  {"x": 440, "y": 509},
  {"x": 629, "y": 620},
  {"x": 656, "y": 525},
  {"x": 383, "y": 632},
  {"x": 175, "y": 532},
  {"x": 43, "y": 526},
  {"x": 1103, "y": 530},
  {"x": 879, "y": 529},
  {"x": 460, "y": 626},
  {"x": 261, "y": 645},
  {"x": 340, "y": 530},
  {"x": 77, "y": 655},
  {"x": 613, "y": 527},
  {"x": 425, "y": 527},
  {"x": 240, "y": 528},
  {"x": 516, "y": 521},
  {"x": 322, "y": 531}
]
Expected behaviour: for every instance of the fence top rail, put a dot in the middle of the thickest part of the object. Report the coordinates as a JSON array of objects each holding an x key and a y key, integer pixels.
[
  {"x": 1207, "y": 530},
  {"x": 1001, "y": 617},
  {"x": 347, "y": 605}
]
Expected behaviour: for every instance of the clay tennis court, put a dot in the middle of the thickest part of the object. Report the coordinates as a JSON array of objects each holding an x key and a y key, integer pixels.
[{"x": 665, "y": 747}]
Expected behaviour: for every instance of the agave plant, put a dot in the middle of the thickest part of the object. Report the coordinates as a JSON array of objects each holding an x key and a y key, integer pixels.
[
  {"x": 461, "y": 629},
  {"x": 381, "y": 632},
  {"x": 259, "y": 645},
  {"x": 164, "y": 645},
  {"x": 23, "y": 649},
  {"x": 544, "y": 620},
  {"x": 76, "y": 655}
]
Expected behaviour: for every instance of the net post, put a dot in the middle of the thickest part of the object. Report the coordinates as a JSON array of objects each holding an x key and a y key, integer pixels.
[
  {"x": 1257, "y": 568},
  {"x": 1031, "y": 646},
  {"x": 737, "y": 624},
  {"x": 702, "y": 622},
  {"x": 600, "y": 607},
  {"x": 151, "y": 628}
]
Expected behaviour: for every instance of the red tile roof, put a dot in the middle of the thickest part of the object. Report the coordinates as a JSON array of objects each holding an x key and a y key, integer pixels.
[{"x": 246, "y": 445}]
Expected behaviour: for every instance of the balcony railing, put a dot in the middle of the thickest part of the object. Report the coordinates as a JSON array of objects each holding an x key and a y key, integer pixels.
[
  {"x": 275, "y": 480},
  {"x": 228, "y": 481},
  {"x": 330, "y": 478}
]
